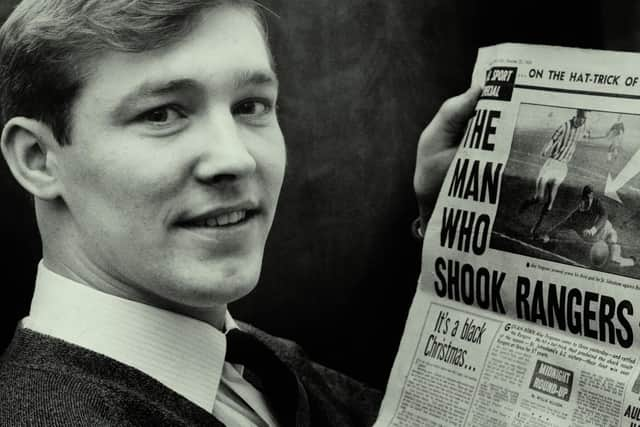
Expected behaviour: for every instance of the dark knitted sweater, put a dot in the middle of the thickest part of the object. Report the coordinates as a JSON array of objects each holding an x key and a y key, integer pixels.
[{"x": 49, "y": 382}]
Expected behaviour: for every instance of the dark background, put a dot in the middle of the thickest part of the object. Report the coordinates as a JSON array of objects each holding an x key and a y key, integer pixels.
[{"x": 360, "y": 79}]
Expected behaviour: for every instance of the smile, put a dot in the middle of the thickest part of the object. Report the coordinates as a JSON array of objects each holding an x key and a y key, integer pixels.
[
  {"x": 223, "y": 220},
  {"x": 226, "y": 229},
  {"x": 227, "y": 219}
]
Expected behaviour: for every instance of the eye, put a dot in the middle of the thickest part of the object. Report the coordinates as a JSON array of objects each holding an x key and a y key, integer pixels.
[
  {"x": 162, "y": 121},
  {"x": 253, "y": 107},
  {"x": 161, "y": 116}
]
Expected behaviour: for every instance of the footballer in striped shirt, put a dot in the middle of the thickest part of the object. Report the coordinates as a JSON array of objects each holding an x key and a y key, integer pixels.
[{"x": 558, "y": 151}]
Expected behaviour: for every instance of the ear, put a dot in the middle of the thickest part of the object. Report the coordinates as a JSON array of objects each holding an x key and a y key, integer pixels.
[{"x": 29, "y": 148}]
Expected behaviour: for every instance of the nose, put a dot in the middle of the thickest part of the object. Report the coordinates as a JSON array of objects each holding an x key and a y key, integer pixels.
[{"x": 223, "y": 152}]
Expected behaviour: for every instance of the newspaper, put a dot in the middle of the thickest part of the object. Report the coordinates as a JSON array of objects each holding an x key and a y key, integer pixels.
[{"x": 527, "y": 311}]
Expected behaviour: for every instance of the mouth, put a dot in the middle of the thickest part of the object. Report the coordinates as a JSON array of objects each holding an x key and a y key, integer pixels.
[{"x": 228, "y": 219}]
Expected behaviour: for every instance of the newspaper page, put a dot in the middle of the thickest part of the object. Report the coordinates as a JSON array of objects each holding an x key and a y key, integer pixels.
[{"x": 527, "y": 311}]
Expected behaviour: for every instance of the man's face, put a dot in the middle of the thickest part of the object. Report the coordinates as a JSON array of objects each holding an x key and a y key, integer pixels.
[
  {"x": 579, "y": 121},
  {"x": 176, "y": 163},
  {"x": 585, "y": 203}
]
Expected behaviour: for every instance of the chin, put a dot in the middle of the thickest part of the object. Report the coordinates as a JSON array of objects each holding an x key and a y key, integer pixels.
[{"x": 214, "y": 288}]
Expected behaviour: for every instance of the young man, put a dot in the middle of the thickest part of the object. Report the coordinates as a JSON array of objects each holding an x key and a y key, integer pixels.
[
  {"x": 146, "y": 132},
  {"x": 589, "y": 220},
  {"x": 559, "y": 151}
]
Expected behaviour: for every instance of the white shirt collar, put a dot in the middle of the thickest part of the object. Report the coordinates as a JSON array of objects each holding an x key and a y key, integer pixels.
[{"x": 184, "y": 354}]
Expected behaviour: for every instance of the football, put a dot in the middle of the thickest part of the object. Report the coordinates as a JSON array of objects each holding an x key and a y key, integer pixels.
[{"x": 599, "y": 253}]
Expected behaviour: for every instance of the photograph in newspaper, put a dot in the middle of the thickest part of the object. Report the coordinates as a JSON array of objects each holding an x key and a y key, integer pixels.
[{"x": 559, "y": 176}]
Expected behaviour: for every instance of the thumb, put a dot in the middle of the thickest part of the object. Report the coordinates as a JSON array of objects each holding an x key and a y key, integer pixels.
[
  {"x": 437, "y": 146},
  {"x": 446, "y": 128}
]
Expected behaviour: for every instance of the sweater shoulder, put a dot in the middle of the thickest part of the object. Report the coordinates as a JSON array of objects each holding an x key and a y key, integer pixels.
[
  {"x": 35, "y": 396},
  {"x": 45, "y": 381}
]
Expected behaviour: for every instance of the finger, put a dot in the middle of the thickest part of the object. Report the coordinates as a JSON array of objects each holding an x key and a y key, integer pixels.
[
  {"x": 446, "y": 128},
  {"x": 427, "y": 184}
]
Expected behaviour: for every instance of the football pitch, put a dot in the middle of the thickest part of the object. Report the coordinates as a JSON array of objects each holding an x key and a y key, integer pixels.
[{"x": 589, "y": 166}]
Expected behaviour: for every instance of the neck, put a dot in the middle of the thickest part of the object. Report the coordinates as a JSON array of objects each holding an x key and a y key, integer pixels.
[{"x": 214, "y": 316}]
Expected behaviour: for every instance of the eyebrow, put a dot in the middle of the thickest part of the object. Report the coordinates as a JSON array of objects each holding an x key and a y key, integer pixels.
[
  {"x": 240, "y": 80},
  {"x": 254, "y": 78},
  {"x": 158, "y": 89}
]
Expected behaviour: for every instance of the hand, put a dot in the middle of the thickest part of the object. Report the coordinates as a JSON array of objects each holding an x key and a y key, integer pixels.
[
  {"x": 545, "y": 238},
  {"x": 437, "y": 146},
  {"x": 590, "y": 232}
]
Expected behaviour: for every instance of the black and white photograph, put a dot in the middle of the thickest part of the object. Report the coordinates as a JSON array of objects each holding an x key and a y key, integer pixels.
[
  {"x": 570, "y": 191},
  {"x": 214, "y": 210}
]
